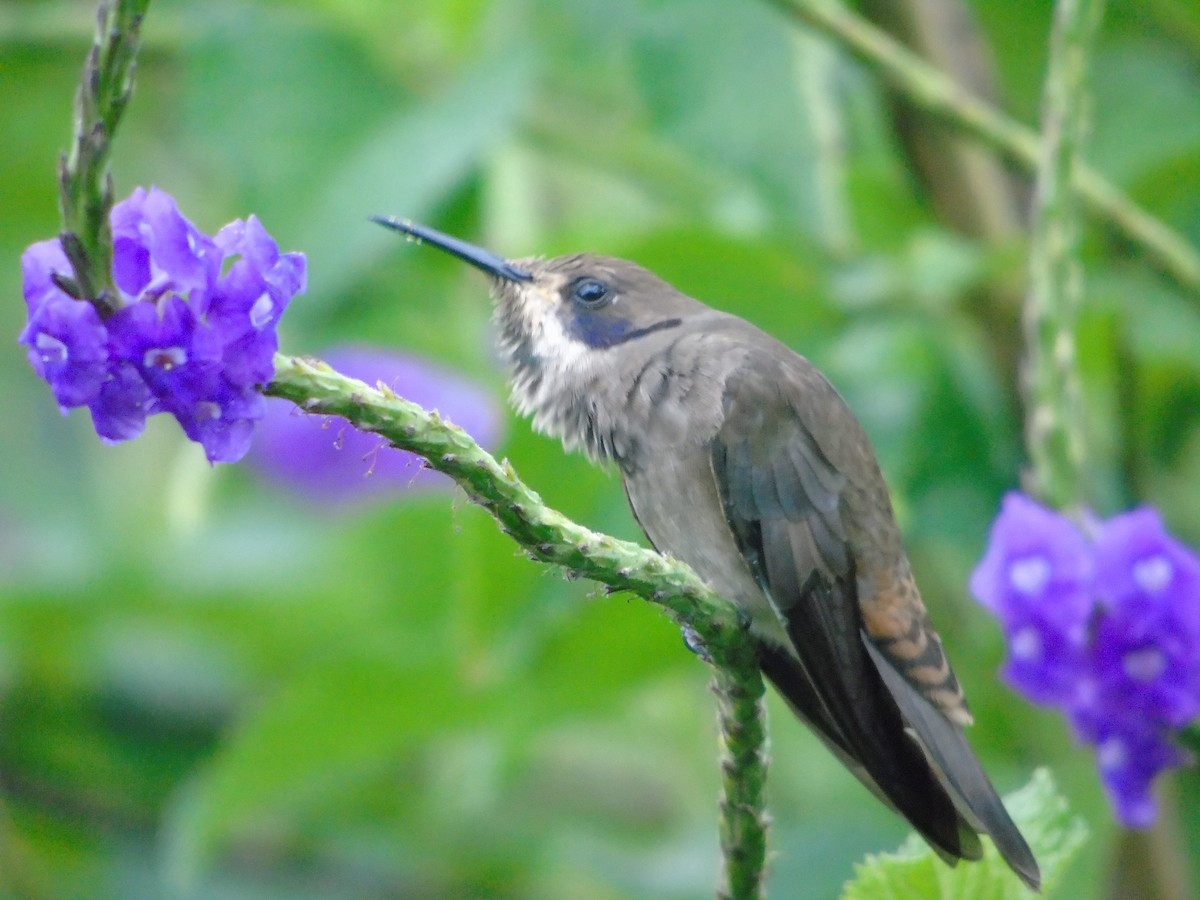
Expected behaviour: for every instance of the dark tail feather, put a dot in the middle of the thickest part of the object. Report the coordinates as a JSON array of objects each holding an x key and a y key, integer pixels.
[
  {"x": 903, "y": 780},
  {"x": 959, "y": 770}
]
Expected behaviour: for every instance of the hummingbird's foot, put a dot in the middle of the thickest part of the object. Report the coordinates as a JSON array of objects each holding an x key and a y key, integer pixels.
[{"x": 695, "y": 643}]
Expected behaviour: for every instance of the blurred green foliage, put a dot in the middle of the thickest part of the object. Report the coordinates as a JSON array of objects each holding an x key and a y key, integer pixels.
[{"x": 210, "y": 689}]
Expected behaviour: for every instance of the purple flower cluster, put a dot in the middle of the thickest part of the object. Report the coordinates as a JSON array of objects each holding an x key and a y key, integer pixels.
[
  {"x": 192, "y": 334},
  {"x": 1105, "y": 626}
]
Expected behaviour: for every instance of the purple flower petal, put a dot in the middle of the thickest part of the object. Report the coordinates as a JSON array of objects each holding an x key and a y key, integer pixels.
[
  {"x": 38, "y": 263},
  {"x": 284, "y": 275},
  {"x": 243, "y": 314},
  {"x": 68, "y": 347},
  {"x": 327, "y": 460},
  {"x": 127, "y": 215},
  {"x": 1129, "y": 756},
  {"x": 1148, "y": 643},
  {"x": 119, "y": 412},
  {"x": 249, "y": 360},
  {"x": 175, "y": 354},
  {"x": 1149, "y": 666},
  {"x": 222, "y": 419},
  {"x": 190, "y": 258},
  {"x": 156, "y": 250},
  {"x": 249, "y": 299},
  {"x": 1043, "y": 663},
  {"x": 1141, "y": 567},
  {"x": 131, "y": 254},
  {"x": 1036, "y": 569},
  {"x": 181, "y": 361}
]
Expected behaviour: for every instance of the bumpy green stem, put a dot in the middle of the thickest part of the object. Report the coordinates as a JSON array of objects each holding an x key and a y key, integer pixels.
[
  {"x": 931, "y": 90},
  {"x": 1050, "y": 375},
  {"x": 620, "y": 565},
  {"x": 85, "y": 184},
  {"x": 742, "y": 721}
]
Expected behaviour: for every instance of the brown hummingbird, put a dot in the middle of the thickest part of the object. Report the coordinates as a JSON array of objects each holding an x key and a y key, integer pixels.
[{"x": 741, "y": 459}]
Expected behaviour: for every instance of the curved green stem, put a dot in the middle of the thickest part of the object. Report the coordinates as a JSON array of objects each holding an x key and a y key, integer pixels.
[
  {"x": 931, "y": 90},
  {"x": 552, "y": 538}
]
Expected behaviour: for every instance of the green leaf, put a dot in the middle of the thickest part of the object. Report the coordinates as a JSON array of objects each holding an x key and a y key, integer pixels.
[{"x": 915, "y": 872}]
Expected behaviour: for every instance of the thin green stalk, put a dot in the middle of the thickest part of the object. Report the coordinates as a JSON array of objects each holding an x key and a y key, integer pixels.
[
  {"x": 931, "y": 90},
  {"x": 1054, "y": 428},
  {"x": 742, "y": 721},
  {"x": 552, "y": 538},
  {"x": 816, "y": 66},
  {"x": 1050, "y": 374},
  {"x": 85, "y": 183}
]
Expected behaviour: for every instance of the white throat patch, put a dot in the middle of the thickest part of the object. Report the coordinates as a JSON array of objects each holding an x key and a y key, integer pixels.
[{"x": 560, "y": 365}]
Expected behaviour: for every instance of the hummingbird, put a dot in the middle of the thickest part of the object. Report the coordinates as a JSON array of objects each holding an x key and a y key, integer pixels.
[{"x": 741, "y": 459}]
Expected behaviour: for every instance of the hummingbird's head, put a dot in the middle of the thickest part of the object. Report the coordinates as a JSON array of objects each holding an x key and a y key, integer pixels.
[{"x": 568, "y": 320}]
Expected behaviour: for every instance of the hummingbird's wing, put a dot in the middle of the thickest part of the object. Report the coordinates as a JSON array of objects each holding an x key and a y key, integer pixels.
[{"x": 794, "y": 506}]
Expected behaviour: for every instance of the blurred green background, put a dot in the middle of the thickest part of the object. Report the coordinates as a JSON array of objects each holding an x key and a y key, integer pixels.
[{"x": 210, "y": 689}]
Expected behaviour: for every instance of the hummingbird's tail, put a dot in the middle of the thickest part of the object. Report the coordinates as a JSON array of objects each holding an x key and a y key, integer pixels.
[
  {"x": 959, "y": 772},
  {"x": 924, "y": 770}
]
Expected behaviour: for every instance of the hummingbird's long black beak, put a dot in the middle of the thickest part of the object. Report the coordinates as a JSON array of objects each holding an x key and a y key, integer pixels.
[{"x": 476, "y": 256}]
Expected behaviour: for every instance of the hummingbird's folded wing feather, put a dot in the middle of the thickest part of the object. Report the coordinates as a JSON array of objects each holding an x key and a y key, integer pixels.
[
  {"x": 872, "y": 697},
  {"x": 782, "y": 501}
]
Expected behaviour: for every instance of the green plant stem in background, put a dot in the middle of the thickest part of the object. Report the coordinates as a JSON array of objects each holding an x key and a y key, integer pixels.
[
  {"x": 1050, "y": 374},
  {"x": 552, "y": 538},
  {"x": 1054, "y": 430},
  {"x": 934, "y": 92},
  {"x": 85, "y": 183}
]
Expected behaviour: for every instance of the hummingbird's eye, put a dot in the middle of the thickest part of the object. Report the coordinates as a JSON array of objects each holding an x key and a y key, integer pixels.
[{"x": 591, "y": 292}]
